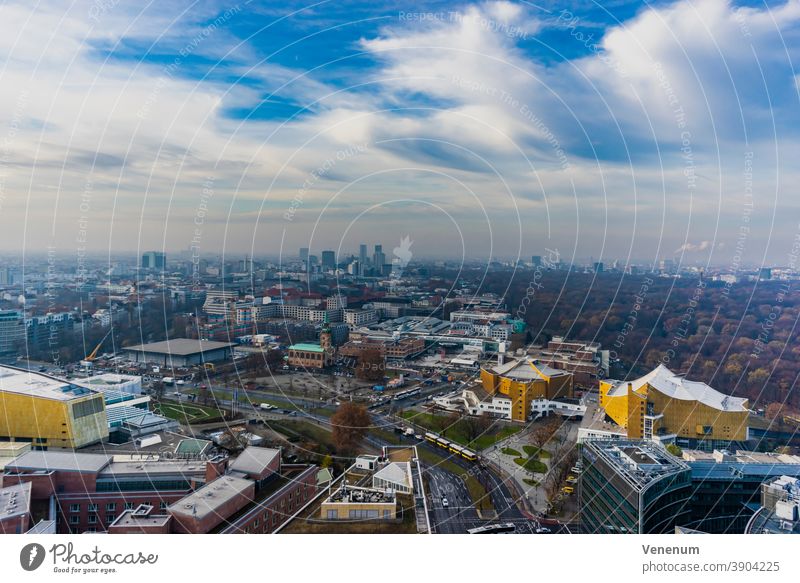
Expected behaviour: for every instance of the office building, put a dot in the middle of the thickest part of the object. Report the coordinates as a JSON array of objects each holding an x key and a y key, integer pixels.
[
  {"x": 667, "y": 407},
  {"x": 154, "y": 260},
  {"x": 362, "y": 259},
  {"x": 15, "y": 509},
  {"x": 727, "y": 486},
  {"x": 328, "y": 260},
  {"x": 780, "y": 508},
  {"x": 90, "y": 490},
  {"x": 12, "y": 332},
  {"x": 632, "y": 487},
  {"x": 378, "y": 259},
  {"x": 304, "y": 254}
]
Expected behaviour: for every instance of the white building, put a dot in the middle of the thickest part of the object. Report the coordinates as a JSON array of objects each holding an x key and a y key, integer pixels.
[
  {"x": 394, "y": 476},
  {"x": 355, "y": 318}
]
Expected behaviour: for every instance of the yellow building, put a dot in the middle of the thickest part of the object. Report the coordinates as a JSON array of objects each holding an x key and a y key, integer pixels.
[
  {"x": 665, "y": 406},
  {"x": 524, "y": 380},
  {"x": 49, "y": 412}
]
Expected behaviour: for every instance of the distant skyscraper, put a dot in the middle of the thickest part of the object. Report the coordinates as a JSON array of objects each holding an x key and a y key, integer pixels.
[
  {"x": 362, "y": 259},
  {"x": 765, "y": 273},
  {"x": 154, "y": 260},
  {"x": 536, "y": 260},
  {"x": 378, "y": 259},
  {"x": 304, "y": 254},
  {"x": 328, "y": 259},
  {"x": 598, "y": 267}
]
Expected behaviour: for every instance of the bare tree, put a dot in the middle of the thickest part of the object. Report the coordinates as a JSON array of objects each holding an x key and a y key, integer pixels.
[{"x": 350, "y": 424}]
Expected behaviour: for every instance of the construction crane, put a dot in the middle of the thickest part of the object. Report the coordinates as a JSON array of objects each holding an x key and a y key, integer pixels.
[{"x": 86, "y": 363}]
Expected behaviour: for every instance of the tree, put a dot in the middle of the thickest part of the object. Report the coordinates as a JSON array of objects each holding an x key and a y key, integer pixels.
[
  {"x": 544, "y": 432},
  {"x": 350, "y": 424},
  {"x": 477, "y": 425},
  {"x": 674, "y": 450},
  {"x": 158, "y": 390},
  {"x": 371, "y": 365}
]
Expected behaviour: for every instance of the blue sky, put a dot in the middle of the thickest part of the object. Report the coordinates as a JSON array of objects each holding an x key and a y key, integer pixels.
[{"x": 486, "y": 129}]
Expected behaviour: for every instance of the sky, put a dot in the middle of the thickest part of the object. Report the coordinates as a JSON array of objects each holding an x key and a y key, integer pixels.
[{"x": 609, "y": 130}]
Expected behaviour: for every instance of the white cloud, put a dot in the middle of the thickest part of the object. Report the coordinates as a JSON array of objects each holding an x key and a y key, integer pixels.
[{"x": 454, "y": 111}]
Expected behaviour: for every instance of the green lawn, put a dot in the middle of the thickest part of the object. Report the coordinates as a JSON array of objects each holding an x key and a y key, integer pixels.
[
  {"x": 186, "y": 413},
  {"x": 534, "y": 451},
  {"x": 304, "y": 430},
  {"x": 458, "y": 431},
  {"x": 511, "y": 451},
  {"x": 531, "y": 464}
]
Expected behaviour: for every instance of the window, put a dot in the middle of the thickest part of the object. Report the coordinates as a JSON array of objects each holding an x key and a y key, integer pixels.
[
  {"x": 92, "y": 519},
  {"x": 111, "y": 507},
  {"x": 129, "y": 506},
  {"x": 162, "y": 505},
  {"x": 74, "y": 507},
  {"x": 92, "y": 507},
  {"x": 363, "y": 514},
  {"x": 91, "y": 529},
  {"x": 333, "y": 514},
  {"x": 74, "y": 519},
  {"x": 110, "y": 518}
]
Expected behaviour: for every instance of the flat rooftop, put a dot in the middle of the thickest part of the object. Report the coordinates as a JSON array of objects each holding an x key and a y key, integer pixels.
[
  {"x": 639, "y": 462},
  {"x": 211, "y": 497},
  {"x": 33, "y": 384},
  {"x": 15, "y": 500},
  {"x": 356, "y": 495},
  {"x": 180, "y": 346},
  {"x": 141, "y": 516},
  {"x": 150, "y": 467},
  {"x": 254, "y": 460},
  {"x": 65, "y": 461}
]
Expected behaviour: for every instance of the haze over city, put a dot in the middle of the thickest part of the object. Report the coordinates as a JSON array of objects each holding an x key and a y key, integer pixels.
[{"x": 490, "y": 129}]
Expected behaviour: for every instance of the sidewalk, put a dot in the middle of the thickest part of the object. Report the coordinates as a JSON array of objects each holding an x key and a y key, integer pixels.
[{"x": 536, "y": 496}]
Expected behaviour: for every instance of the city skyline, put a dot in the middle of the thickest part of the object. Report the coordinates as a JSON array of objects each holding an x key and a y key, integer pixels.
[{"x": 660, "y": 130}]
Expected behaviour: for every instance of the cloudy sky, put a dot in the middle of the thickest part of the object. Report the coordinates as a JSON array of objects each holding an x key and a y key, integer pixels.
[{"x": 493, "y": 129}]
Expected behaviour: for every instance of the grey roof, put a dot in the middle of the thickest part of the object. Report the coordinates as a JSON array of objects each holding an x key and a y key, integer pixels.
[
  {"x": 179, "y": 346},
  {"x": 15, "y": 500},
  {"x": 522, "y": 370},
  {"x": 149, "y": 467},
  {"x": 68, "y": 461},
  {"x": 212, "y": 496},
  {"x": 254, "y": 460}
]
